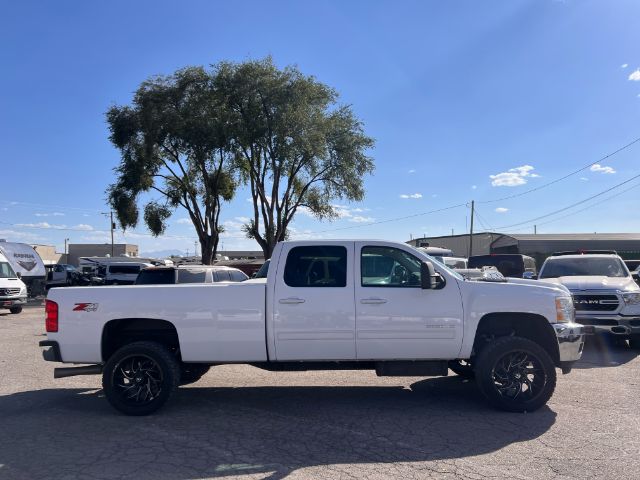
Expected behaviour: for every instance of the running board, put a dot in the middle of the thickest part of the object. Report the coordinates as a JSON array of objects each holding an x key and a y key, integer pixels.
[
  {"x": 73, "y": 371},
  {"x": 418, "y": 368}
]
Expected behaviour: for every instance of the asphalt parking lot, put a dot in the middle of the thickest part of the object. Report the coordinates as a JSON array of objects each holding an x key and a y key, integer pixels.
[{"x": 241, "y": 422}]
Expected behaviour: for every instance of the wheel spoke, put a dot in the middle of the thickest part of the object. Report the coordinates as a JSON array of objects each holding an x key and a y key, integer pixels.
[{"x": 138, "y": 379}]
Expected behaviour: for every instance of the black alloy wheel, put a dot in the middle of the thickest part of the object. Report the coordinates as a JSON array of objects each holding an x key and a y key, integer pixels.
[
  {"x": 140, "y": 377},
  {"x": 515, "y": 374}
]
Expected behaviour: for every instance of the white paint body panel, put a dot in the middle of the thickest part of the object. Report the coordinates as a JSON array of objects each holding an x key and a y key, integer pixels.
[{"x": 245, "y": 322}]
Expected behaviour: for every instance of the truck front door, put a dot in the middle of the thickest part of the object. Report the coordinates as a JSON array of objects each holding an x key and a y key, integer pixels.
[
  {"x": 395, "y": 317},
  {"x": 313, "y": 311}
]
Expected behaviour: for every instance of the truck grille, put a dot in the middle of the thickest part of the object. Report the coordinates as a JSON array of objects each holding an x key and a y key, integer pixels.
[
  {"x": 596, "y": 303},
  {"x": 9, "y": 291}
]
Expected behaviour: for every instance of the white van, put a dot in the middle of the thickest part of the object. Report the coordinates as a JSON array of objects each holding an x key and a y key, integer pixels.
[
  {"x": 122, "y": 273},
  {"x": 13, "y": 292},
  {"x": 24, "y": 260}
]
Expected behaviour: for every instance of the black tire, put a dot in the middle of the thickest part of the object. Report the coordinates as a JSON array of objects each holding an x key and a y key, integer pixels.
[
  {"x": 15, "y": 310},
  {"x": 515, "y": 374},
  {"x": 634, "y": 341},
  {"x": 192, "y": 372},
  {"x": 463, "y": 368},
  {"x": 140, "y": 377}
]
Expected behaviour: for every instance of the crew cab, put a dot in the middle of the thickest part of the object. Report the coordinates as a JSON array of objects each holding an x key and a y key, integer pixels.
[
  {"x": 605, "y": 294},
  {"x": 347, "y": 304}
]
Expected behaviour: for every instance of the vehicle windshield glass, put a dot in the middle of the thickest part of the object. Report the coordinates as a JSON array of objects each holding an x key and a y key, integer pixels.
[
  {"x": 264, "y": 270},
  {"x": 6, "y": 271},
  {"x": 572, "y": 267}
]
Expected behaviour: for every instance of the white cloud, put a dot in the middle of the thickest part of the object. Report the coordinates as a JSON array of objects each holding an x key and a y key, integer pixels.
[
  {"x": 599, "y": 168},
  {"x": 54, "y": 214},
  {"x": 584, "y": 179},
  {"x": 21, "y": 236},
  {"x": 360, "y": 219},
  {"x": 411, "y": 195},
  {"x": 412, "y": 170},
  {"x": 502, "y": 210},
  {"x": 183, "y": 221},
  {"x": 513, "y": 177},
  {"x": 83, "y": 226},
  {"x": 635, "y": 76},
  {"x": 624, "y": 65},
  {"x": 44, "y": 225},
  {"x": 473, "y": 187}
]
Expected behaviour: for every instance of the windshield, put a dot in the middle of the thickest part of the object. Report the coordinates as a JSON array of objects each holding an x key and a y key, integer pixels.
[
  {"x": 6, "y": 271},
  {"x": 573, "y": 267}
]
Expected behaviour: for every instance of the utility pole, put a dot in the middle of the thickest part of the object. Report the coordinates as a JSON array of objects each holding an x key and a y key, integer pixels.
[
  {"x": 452, "y": 232},
  {"x": 535, "y": 229},
  {"x": 112, "y": 227},
  {"x": 473, "y": 206},
  {"x": 66, "y": 256}
]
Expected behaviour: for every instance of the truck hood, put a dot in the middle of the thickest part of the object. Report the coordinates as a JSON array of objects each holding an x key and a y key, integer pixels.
[
  {"x": 522, "y": 284},
  {"x": 595, "y": 282}
]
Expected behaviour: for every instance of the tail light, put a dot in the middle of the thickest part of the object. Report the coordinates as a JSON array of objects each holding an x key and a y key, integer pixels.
[{"x": 51, "y": 319}]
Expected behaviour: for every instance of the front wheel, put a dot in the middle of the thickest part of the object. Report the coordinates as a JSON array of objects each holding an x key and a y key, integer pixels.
[
  {"x": 15, "y": 310},
  {"x": 515, "y": 374},
  {"x": 140, "y": 377}
]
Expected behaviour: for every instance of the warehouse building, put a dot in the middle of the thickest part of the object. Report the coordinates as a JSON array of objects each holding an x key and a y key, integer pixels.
[
  {"x": 538, "y": 246},
  {"x": 77, "y": 250}
]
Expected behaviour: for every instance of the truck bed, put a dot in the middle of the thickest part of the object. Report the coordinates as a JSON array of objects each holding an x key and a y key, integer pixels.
[{"x": 222, "y": 322}]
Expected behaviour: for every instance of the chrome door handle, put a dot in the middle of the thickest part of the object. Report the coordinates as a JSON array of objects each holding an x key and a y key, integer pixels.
[
  {"x": 373, "y": 301},
  {"x": 291, "y": 300}
]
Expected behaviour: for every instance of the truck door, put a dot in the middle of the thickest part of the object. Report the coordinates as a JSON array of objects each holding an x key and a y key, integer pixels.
[
  {"x": 313, "y": 311},
  {"x": 395, "y": 317}
]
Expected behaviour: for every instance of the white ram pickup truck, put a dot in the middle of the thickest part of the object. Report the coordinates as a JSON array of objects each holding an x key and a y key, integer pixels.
[{"x": 325, "y": 305}]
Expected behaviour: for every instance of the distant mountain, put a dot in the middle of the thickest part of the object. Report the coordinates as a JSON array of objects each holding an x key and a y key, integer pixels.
[{"x": 161, "y": 253}]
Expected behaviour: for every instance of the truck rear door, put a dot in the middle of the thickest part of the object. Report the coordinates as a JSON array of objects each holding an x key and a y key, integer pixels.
[{"x": 313, "y": 309}]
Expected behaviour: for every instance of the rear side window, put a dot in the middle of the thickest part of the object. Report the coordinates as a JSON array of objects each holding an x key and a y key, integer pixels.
[
  {"x": 191, "y": 276},
  {"x": 124, "y": 269},
  {"x": 221, "y": 276},
  {"x": 156, "y": 277},
  {"x": 316, "y": 266},
  {"x": 238, "y": 276}
]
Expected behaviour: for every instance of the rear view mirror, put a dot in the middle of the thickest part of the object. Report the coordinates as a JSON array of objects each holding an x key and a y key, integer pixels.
[{"x": 427, "y": 276}]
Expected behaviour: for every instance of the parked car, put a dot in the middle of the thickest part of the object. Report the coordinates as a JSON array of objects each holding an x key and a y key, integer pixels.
[
  {"x": 121, "y": 273},
  {"x": 455, "y": 262},
  {"x": 63, "y": 275},
  {"x": 335, "y": 304},
  {"x": 604, "y": 292},
  {"x": 189, "y": 274},
  {"x": 439, "y": 253},
  {"x": 508, "y": 264},
  {"x": 13, "y": 292},
  {"x": 632, "y": 265}
]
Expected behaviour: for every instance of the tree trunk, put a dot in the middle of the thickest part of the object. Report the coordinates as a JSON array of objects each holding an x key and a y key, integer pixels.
[{"x": 209, "y": 247}]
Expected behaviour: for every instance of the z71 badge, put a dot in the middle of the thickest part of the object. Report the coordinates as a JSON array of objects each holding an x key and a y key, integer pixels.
[{"x": 85, "y": 307}]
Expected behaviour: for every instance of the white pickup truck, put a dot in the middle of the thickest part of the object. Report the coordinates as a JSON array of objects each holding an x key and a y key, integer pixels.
[{"x": 328, "y": 305}]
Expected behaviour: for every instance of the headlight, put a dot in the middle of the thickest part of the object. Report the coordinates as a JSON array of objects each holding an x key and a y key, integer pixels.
[
  {"x": 631, "y": 298},
  {"x": 564, "y": 309}
]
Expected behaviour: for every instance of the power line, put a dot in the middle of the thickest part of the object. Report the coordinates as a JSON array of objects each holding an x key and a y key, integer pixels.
[
  {"x": 540, "y": 187},
  {"x": 570, "y": 206}
]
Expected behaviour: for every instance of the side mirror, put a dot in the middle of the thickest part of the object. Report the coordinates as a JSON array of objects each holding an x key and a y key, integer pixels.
[
  {"x": 635, "y": 275},
  {"x": 427, "y": 276}
]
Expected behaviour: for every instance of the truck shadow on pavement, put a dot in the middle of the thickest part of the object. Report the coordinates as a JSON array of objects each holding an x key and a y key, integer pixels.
[
  {"x": 603, "y": 351},
  {"x": 268, "y": 432}
]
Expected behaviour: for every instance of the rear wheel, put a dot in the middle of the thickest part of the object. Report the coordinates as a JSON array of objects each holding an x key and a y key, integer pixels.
[
  {"x": 462, "y": 367},
  {"x": 140, "y": 377},
  {"x": 192, "y": 372},
  {"x": 15, "y": 310},
  {"x": 515, "y": 374}
]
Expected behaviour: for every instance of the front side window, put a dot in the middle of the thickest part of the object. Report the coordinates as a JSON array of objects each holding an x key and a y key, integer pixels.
[
  {"x": 316, "y": 266},
  {"x": 388, "y": 267}
]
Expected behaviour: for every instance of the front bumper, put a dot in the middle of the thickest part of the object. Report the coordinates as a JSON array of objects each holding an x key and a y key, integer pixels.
[
  {"x": 8, "y": 302},
  {"x": 570, "y": 338},
  {"x": 613, "y": 324}
]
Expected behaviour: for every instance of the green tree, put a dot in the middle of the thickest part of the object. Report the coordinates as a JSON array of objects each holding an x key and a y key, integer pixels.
[
  {"x": 295, "y": 146},
  {"x": 173, "y": 141}
]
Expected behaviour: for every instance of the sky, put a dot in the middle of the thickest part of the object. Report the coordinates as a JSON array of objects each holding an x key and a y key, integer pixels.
[{"x": 466, "y": 101}]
